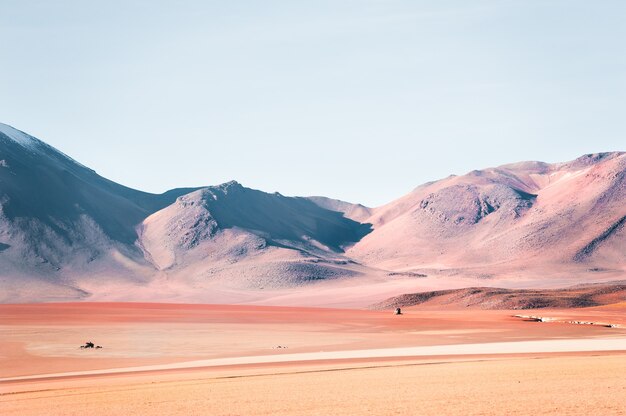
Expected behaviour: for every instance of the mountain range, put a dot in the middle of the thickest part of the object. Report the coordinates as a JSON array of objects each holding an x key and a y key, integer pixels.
[{"x": 66, "y": 233}]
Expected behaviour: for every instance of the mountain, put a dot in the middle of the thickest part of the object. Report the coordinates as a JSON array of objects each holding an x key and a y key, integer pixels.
[
  {"x": 521, "y": 219},
  {"x": 244, "y": 238},
  {"x": 57, "y": 215},
  {"x": 68, "y": 233}
]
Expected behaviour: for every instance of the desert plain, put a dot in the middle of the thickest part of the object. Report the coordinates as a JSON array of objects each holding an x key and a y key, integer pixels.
[{"x": 190, "y": 359}]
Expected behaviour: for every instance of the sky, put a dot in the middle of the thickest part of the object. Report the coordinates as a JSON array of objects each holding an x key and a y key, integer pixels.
[{"x": 356, "y": 100}]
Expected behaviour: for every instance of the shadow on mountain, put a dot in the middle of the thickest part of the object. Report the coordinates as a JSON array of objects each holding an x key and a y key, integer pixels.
[
  {"x": 276, "y": 217},
  {"x": 43, "y": 188}
]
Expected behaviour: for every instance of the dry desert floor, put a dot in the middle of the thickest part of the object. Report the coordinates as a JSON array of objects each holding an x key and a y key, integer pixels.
[{"x": 172, "y": 359}]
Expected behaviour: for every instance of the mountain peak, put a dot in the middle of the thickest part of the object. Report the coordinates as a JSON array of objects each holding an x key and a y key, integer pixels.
[
  {"x": 35, "y": 147},
  {"x": 224, "y": 188},
  {"x": 230, "y": 184},
  {"x": 591, "y": 158},
  {"x": 19, "y": 137}
]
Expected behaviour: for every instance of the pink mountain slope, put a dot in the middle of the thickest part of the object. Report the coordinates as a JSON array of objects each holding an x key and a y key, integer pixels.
[{"x": 527, "y": 219}]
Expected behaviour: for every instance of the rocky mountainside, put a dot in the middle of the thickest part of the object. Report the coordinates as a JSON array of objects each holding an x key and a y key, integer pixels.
[{"x": 521, "y": 218}]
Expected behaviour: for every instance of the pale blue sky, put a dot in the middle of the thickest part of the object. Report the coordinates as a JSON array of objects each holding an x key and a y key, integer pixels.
[{"x": 357, "y": 100}]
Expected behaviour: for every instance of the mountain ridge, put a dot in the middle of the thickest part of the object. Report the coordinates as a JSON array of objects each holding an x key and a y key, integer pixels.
[{"x": 67, "y": 233}]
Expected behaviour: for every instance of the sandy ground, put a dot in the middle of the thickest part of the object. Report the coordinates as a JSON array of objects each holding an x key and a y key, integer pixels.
[
  {"x": 220, "y": 359},
  {"x": 517, "y": 386}
]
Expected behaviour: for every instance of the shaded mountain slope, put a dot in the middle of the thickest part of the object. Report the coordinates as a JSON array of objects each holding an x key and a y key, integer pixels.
[
  {"x": 57, "y": 215},
  {"x": 280, "y": 218},
  {"x": 356, "y": 212},
  {"x": 41, "y": 183},
  {"x": 249, "y": 238}
]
